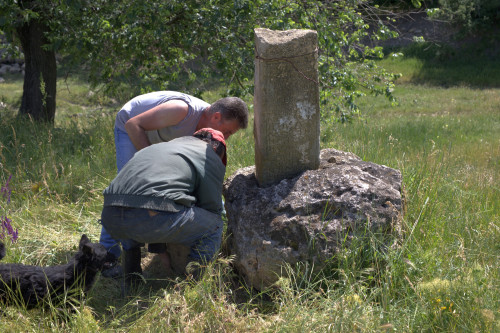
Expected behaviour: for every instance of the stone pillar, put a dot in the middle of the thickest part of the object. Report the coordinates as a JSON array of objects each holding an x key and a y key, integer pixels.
[{"x": 286, "y": 104}]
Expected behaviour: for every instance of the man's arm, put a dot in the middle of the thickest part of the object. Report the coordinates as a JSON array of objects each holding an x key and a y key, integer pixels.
[{"x": 164, "y": 115}]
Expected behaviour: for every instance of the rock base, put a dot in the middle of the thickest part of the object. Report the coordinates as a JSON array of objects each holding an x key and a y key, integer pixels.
[{"x": 310, "y": 217}]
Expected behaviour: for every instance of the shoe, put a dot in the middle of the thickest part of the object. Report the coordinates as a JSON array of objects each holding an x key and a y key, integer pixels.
[{"x": 132, "y": 266}]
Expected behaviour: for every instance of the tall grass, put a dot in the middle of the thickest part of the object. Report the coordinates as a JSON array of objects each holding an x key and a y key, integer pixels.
[{"x": 443, "y": 276}]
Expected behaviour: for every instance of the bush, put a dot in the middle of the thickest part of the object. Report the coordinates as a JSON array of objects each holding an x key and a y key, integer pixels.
[
  {"x": 470, "y": 14},
  {"x": 406, "y": 4}
]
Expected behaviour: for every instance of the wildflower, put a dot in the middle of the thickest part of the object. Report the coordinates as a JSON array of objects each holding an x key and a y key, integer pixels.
[
  {"x": 5, "y": 221},
  {"x": 7, "y": 229},
  {"x": 6, "y": 191}
]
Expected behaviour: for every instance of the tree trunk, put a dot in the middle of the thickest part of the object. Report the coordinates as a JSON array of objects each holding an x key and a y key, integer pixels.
[{"x": 39, "y": 90}]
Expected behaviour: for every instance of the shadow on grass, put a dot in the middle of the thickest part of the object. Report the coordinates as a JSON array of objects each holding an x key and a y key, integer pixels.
[{"x": 474, "y": 64}]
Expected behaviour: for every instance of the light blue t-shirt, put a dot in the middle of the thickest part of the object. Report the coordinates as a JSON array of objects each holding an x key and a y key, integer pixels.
[{"x": 143, "y": 103}]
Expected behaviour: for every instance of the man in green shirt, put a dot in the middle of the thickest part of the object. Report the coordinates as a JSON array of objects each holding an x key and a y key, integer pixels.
[{"x": 169, "y": 192}]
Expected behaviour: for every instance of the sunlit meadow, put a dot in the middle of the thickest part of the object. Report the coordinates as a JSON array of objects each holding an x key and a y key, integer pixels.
[{"x": 443, "y": 276}]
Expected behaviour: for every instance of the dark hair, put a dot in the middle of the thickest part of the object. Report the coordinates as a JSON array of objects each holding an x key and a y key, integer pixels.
[
  {"x": 231, "y": 108},
  {"x": 218, "y": 147}
]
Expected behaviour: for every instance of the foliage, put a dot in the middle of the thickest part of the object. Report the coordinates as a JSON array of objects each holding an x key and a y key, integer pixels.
[
  {"x": 183, "y": 45},
  {"x": 14, "y": 14},
  {"x": 198, "y": 41},
  {"x": 404, "y": 4},
  {"x": 470, "y": 14}
]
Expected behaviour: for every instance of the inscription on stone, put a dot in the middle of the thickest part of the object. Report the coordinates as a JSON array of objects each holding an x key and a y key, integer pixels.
[{"x": 286, "y": 104}]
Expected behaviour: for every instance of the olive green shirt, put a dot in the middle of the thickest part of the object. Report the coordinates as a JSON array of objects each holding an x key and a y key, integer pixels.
[{"x": 169, "y": 176}]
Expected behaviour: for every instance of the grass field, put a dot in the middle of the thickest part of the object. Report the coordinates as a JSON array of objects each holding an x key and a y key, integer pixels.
[{"x": 444, "y": 136}]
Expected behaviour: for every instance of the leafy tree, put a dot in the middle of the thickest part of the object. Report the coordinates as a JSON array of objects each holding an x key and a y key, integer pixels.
[
  {"x": 30, "y": 21},
  {"x": 188, "y": 44}
]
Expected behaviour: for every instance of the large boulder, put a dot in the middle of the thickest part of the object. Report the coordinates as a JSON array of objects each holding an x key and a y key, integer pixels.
[{"x": 310, "y": 217}]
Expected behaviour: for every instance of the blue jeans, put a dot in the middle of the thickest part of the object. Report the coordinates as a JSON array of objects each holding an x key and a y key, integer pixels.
[
  {"x": 125, "y": 150},
  {"x": 195, "y": 227}
]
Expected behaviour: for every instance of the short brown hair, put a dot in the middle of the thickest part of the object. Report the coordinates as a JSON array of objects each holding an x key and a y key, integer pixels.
[{"x": 231, "y": 108}]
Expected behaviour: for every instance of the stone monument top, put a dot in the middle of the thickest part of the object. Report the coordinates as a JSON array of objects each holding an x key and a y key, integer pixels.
[{"x": 286, "y": 104}]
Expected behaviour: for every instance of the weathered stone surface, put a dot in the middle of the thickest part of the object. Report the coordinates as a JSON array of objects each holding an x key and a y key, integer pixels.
[
  {"x": 275, "y": 225},
  {"x": 15, "y": 68},
  {"x": 4, "y": 69},
  {"x": 286, "y": 104}
]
